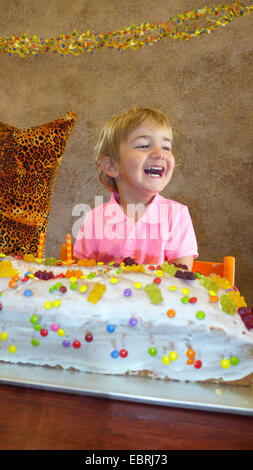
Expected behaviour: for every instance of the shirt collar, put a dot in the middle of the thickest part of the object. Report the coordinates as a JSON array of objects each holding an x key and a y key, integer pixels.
[{"x": 147, "y": 216}]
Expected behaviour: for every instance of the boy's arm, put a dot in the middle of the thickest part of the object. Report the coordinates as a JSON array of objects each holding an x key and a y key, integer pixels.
[{"x": 186, "y": 260}]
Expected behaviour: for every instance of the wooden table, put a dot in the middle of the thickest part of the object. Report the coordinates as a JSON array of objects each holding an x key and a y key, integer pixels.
[{"x": 33, "y": 419}]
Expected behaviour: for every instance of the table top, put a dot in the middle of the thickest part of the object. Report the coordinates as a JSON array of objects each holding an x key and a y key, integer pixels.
[{"x": 34, "y": 419}]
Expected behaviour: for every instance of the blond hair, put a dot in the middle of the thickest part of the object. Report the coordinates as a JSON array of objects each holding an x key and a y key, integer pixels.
[{"x": 116, "y": 130}]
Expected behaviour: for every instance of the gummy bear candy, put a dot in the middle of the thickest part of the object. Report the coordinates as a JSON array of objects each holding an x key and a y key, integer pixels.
[
  {"x": 6, "y": 269},
  {"x": 154, "y": 293},
  {"x": 96, "y": 293}
]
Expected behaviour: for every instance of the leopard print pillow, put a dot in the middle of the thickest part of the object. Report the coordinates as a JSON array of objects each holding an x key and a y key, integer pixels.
[{"x": 29, "y": 162}]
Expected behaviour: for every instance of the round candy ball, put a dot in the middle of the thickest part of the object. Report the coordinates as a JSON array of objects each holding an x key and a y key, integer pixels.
[
  {"x": 197, "y": 364},
  {"x": 234, "y": 360},
  {"x": 171, "y": 313},
  {"x": 173, "y": 355},
  {"x": 225, "y": 363},
  {"x": 3, "y": 336},
  {"x": 27, "y": 293},
  {"x": 63, "y": 289},
  {"x": 123, "y": 353},
  {"x": 44, "y": 332},
  {"x": 60, "y": 332},
  {"x": 34, "y": 319},
  {"x": 190, "y": 353},
  {"x": 47, "y": 304},
  {"x": 127, "y": 292},
  {"x": 115, "y": 354},
  {"x": 110, "y": 328},
  {"x": 152, "y": 351},
  {"x": 133, "y": 321},
  {"x": 200, "y": 315},
  {"x": 88, "y": 337},
  {"x": 165, "y": 360}
]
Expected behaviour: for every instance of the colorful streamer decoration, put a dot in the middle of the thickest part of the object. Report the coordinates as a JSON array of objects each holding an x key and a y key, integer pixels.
[{"x": 191, "y": 24}]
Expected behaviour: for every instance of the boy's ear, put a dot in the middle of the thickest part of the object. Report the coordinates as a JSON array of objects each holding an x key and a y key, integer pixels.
[{"x": 108, "y": 165}]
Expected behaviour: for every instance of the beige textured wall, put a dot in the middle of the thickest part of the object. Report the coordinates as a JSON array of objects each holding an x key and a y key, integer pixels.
[{"x": 203, "y": 85}]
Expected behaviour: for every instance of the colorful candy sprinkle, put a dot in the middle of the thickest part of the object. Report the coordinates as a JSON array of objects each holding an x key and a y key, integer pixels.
[
  {"x": 234, "y": 360},
  {"x": 127, "y": 292},
  {"x": 44, "y": 332},
  {"x": 190, "y": 353},
  {"x": 47, "y": 304},
  {"x": 88, "y": 337},
  {"x": 165, "y": 360},
  {"x": 63, "y": 289},
  {"x": 225, "y": 363},
  {"x": 197, "y": 364},
  {"x": 27, "y": 293},
  {"x": 123, "y": 353},
  {"x": 173, "y": 355},
  {"x": 200, "y": 315},
  {"x": 83, "y": 288},
  {"x": 34, "y": 319},
  {"x": 171, "y": 313},
  {"x": 4, "y": 336},
  {"x": 60, "y": 332},
  {"x": 185, "y": 291},
  {"x": 137, "y": 285},
  {"x": 115, "y": 354},
  {"x": 152, "y": 351},
  {"x": 110, "y": 328},
  {"x": 173, "y": 288}
]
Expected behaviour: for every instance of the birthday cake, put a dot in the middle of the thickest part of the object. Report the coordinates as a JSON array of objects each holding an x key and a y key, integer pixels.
[{"x": 156, "y": 321}]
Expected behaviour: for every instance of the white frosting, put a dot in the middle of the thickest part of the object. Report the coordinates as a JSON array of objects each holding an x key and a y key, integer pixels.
[{"x": 218, "y": 336}]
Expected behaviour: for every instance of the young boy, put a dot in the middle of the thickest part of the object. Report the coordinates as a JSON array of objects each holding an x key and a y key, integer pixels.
[{"x": 135, "y": 163}]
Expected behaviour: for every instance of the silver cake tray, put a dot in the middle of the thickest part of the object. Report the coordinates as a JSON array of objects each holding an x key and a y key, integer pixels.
[{"x": 209, "y": 397}]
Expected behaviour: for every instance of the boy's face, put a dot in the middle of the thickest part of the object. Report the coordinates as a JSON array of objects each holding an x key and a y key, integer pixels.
[{"x": 145, "y": 162}]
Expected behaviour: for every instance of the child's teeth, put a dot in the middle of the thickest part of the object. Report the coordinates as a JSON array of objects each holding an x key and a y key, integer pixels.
[{"x": 154, "y": 171}]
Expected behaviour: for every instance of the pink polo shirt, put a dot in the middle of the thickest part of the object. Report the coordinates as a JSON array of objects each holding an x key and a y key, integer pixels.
[{"x": 163, "y": 232}]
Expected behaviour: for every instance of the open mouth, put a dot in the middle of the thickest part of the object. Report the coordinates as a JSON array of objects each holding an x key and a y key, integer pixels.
[{"x": 154, "y": 171}]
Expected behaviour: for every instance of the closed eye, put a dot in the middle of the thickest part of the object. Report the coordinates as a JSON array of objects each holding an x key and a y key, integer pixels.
[{"x": 166, "y": 149}]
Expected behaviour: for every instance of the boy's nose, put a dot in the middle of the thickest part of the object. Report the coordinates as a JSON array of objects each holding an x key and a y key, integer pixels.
[{"x": 156, "y": 152}]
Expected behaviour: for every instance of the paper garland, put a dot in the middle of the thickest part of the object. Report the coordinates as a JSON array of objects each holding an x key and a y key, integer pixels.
[{"x": 191, "y": 24}]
